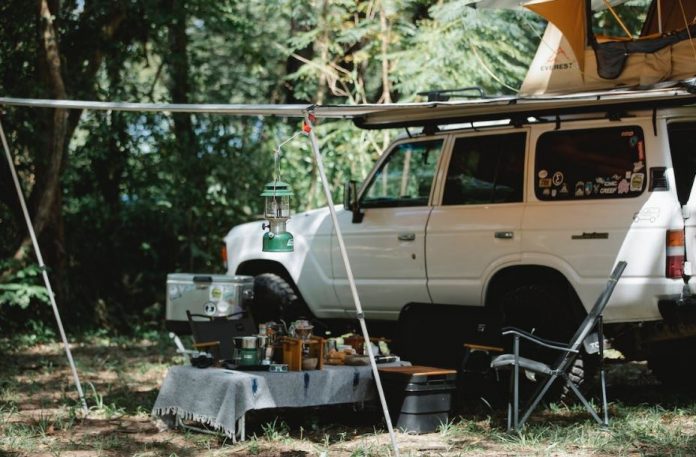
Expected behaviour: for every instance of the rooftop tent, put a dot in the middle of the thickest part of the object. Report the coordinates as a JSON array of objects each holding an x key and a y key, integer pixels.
[
  {"x": 569, "y": 16},
  {"x": 571, "y": 58}
]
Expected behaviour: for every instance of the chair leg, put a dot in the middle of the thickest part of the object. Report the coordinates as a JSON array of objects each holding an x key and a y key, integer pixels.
[
  {"x": 510, "y": 402},
  {"x": 584, "y": 401},
  {"x": 516, "y": 385},
  {"x": 536, "y": 398},
  {"x": 602, "y": 379},
  {"x": 605, "y": 409}
]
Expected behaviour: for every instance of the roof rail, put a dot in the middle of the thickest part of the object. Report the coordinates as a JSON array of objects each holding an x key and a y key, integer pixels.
[{"x": 445, "y": 94}]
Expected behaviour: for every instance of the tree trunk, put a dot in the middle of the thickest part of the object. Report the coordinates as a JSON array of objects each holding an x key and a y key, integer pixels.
[
  {"x": 47, "y": 193},
  {"x": 57, "y": 127},
  {"x": 180, "y": 89}
]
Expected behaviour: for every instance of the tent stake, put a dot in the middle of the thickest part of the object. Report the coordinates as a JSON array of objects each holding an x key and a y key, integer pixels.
[
  {"x": 351, "y": 281},
  {"x": 42, "y": 266}
]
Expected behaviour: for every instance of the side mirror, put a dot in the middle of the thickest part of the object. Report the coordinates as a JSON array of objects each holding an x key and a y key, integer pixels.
[{"x": 350, "y": 200}]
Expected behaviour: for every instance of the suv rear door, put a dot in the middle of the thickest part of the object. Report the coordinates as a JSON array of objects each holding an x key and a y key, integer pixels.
[{"x": 476, "y": 229}]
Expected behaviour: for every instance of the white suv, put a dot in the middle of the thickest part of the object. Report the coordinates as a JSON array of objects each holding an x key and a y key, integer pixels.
[{"x": 524, "y": 220}]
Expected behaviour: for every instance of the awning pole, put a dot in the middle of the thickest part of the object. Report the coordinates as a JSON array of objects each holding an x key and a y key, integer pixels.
[
  {"x": 42, "y": 266},
  {"x": 351, "y": 281}
]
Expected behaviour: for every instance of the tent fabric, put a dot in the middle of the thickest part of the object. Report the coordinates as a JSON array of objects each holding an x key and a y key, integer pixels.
[
  {"x": 612, "y": 55},
  {"x": 569, "y": 17}
]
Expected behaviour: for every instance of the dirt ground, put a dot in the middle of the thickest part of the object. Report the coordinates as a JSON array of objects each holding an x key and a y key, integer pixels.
[{"x": 39, "y": 415}]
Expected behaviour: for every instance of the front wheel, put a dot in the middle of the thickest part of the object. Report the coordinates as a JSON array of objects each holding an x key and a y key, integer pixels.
[{"x": 274, "y": 298}]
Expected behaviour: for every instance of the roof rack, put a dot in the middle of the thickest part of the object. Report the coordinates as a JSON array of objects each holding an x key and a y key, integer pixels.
[{"x": 521, "y": 108}]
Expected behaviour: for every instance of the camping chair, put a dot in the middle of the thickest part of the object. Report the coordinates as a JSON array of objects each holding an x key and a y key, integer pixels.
[
  {"x": 218, "y": 333},
  {"x": 562, "y": 365}
]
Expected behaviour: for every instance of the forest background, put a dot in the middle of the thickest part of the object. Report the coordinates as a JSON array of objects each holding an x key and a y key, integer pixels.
[{"x": 121, "y": 199}]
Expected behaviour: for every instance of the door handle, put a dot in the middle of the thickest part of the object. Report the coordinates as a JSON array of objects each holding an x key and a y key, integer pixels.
[
  {"x": 504, "y": 235},
  {"x": 407, "y": 236}
]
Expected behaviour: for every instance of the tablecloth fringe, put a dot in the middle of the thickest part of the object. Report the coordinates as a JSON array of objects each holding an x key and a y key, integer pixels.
[{"x": 189, "y": 416}]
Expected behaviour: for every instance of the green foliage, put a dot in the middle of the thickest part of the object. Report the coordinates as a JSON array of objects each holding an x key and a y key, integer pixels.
[
  {"x": 21, "y": 288},
  {"x": 36, "y": 332},
  {"x": 632, "y": 14},
  {"x": 465, "y": 47}
]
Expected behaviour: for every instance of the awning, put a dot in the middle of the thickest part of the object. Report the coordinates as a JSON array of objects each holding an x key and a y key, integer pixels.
[{"x": 396, "y": 115}]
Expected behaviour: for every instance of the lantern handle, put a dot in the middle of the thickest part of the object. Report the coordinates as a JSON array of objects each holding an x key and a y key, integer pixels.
[{"x": 276, "y": 156}]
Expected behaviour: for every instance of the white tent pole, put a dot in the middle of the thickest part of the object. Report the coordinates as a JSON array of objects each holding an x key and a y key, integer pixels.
[
  {"x": 351, "y": 281},
  {"x": 44, "y": 273},
  {"x": 659, "y": 16}
]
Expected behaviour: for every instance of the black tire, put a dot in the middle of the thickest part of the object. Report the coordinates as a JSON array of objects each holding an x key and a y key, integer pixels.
[
  {"x": 542, "y": 309},
  {"x": 672, "y": 364},
  {"x": 549, "y": 311},
  {"x": 274, "y": 298}
]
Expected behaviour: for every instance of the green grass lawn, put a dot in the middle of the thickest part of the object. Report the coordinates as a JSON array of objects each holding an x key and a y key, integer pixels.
[{"x": 40, "y": 415}]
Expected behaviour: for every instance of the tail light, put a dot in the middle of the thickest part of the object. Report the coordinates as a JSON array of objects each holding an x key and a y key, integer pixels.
[
  {"x": 223, "y": 254},
  {"x": 675, "y": 254}
]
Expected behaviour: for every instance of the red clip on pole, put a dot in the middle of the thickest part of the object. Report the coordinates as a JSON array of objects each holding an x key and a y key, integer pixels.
[{"x": 306, "y": 128}]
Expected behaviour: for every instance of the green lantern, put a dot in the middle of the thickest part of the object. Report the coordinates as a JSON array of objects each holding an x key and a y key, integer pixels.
[{"x": 277, "y": 239}]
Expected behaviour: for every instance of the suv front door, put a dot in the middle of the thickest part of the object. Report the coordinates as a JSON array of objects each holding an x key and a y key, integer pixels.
[{"x": 387, "y": 249}]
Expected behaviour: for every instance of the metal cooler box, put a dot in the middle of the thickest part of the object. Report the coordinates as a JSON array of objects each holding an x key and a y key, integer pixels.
[{"x": 212, "y": 295}]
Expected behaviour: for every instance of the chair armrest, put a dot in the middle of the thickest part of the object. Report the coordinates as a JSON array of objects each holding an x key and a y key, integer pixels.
[
  {"x": 207, "y": 344},
  {"x": 540, "y": 341}
]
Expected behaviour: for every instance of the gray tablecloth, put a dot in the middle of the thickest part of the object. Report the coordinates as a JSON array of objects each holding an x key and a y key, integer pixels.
[{"x": 218, "y": 397}]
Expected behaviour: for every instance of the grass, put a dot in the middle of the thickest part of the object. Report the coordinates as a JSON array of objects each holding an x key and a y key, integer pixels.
[{"x": 40, "y": 415}]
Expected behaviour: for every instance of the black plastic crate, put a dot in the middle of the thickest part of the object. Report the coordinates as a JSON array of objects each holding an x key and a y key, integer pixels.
[{"x": 419, "y": 398}]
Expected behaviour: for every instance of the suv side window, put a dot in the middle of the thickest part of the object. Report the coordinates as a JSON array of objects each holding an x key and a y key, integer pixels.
[
  {"x": 486, "y": 169},
  {"x": 590, "y": 164},
  {"x": 405, "y": 178}
]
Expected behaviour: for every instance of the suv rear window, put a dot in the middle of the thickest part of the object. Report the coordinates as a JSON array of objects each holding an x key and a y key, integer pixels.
[{"x": 590, "y": 164}]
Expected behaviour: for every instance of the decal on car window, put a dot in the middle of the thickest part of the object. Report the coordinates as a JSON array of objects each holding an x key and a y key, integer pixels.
[{"x": 590, "y": 164}]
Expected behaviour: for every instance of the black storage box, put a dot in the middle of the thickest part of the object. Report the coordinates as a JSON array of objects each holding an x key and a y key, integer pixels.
[{"x": 419, "y": 398}]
